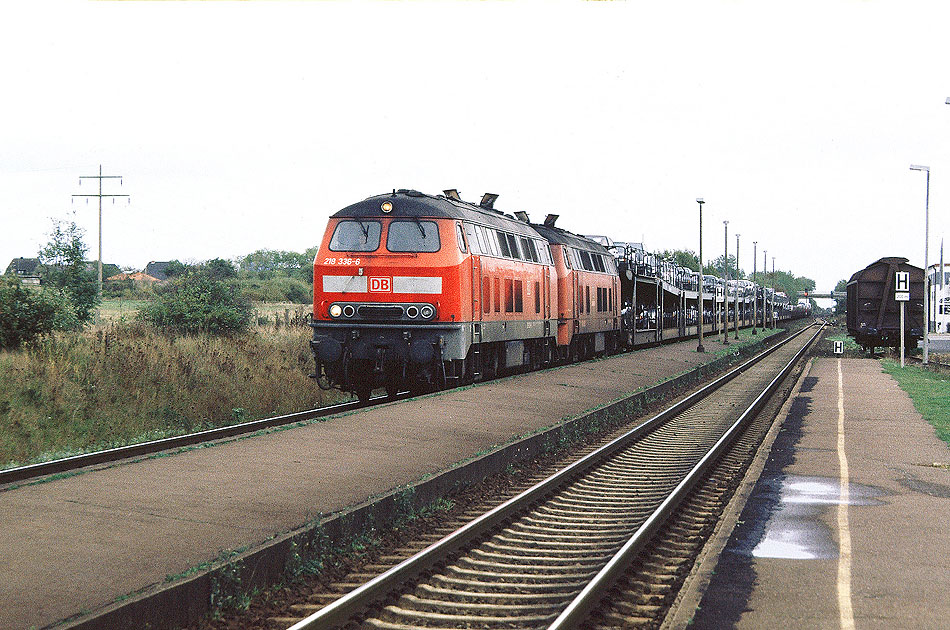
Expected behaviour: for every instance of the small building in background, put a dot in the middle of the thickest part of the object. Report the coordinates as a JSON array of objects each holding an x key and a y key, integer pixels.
[
  {"x": 26, "y": 269},
  {"x": 939, "y": 298},
  {"x": 157, "y": 270}
]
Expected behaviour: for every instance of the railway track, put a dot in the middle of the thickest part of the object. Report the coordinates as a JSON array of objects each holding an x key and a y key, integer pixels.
[
  {"x": 30, "y": 472},
  {"x": 547, "y": 557}
]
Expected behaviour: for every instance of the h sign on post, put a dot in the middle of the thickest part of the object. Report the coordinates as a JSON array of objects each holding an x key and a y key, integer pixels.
[
  {"x": 902, "y": 286},
  {"x": 839, "y": 347}
]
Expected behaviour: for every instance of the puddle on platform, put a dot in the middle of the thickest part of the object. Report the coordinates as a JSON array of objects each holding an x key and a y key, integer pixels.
[{"x": 795, "y": 529}]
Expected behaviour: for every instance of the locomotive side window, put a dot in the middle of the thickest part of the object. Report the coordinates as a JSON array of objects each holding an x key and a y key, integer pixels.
[
  {"x": 513, "y": 247},
  {"x": 503, "y": 245},
  {"x": 355, "y": 236},
  {"x": 458, "y": 234},
  {"x": 413, "y": 236},
  {"x": 491, "y": 240},
  {"x": 519, "y": 296},
  {"x": 509, "y": 295},
  {"x": 527, "y": 246},
  {"x": 472, "y": 237},
  {"x": 537, "y": 297}
]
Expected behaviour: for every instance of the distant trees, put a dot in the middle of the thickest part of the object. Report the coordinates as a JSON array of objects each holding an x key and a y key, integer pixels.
[
  {"x": 278, "y": 276},
  {"x": 200, "y": 298},
  {"x": 63, "y": 268},
  {"x": 841, "y": 306},
  {"x": 66, "y": 300},
  {"x": 714, "y": 267},
  {"x": 268, "y": 263},
  {"x": 682, "y": 257}
]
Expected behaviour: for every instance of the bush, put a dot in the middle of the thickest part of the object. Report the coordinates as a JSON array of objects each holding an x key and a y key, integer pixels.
[
  {"x": 26, "y": 314},
  {"x": 277, "y": 290},
  {"x": 197, "y": 302}
]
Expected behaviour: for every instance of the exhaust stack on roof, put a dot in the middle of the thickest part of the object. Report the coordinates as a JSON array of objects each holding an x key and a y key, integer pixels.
[
  {"x": 488, "y": 201},
  {"x": 550, "y": 220},
  {"x": 451, "y": 193},
  {"x": 522, "y": 216}
]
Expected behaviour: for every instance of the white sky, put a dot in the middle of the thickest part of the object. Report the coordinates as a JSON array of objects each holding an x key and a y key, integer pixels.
[{"x": 240, "y": 126}]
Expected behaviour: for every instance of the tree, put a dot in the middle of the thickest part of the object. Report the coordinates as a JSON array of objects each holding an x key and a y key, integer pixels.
[
  {"x": 175, "y": 268},
  {"x": 196, "y": 301},
  {"x": 269, "y": 263},
  {"x": 715, "y": 267},
  {"x": 220, "y": 269},
  {"x": 682, "y": 257},
  {"x": 841, "y": 306},
  {"x": 26, "y": 314},
  {"x": 63, "y": 267}
]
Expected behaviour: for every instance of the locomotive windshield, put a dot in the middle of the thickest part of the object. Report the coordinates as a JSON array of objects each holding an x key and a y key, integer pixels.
[
  {"x": 356, "y": 236},
  {"x": 413, "y": 236}
]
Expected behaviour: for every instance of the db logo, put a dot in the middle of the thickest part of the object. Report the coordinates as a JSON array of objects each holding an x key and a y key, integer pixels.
[{"x": 381, "y": 285}]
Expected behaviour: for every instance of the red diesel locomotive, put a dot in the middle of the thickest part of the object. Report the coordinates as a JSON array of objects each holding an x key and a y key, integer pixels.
[{"x": 415, "y": 291}]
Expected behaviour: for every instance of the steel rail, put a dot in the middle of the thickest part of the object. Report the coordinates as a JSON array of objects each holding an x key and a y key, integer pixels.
[
  {"x": 75, "y": 462},
  {"x": 344, "y": 608},
  {"x": 578, "y": 610}
]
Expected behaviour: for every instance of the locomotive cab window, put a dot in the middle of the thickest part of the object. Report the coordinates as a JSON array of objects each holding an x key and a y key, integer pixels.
[
  {"x": 413, "y": 236},
  {"x": 355, "y": 236}
]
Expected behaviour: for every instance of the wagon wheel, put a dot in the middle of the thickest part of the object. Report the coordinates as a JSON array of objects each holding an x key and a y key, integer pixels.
[{"x": 363, "y": 392}]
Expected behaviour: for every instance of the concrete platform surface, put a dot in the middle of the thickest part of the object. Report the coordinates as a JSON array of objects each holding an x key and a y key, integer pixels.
[
  {"x": 847, "y": 527},
  {"x": 76, "y": 544}
]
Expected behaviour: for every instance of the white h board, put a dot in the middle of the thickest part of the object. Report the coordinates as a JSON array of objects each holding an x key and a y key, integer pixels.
[{"x": 902, "y": 286}]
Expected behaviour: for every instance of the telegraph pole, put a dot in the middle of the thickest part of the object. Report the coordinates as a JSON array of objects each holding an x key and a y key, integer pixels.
[{"x": 100, "y": 177}]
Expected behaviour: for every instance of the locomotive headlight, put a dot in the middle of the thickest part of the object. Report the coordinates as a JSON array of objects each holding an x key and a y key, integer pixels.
[
  {"x": 335, "y": 310},
  {"x": 427, "y": 312},
  {"x": 387, "y": 207},
  {"x": 349, "y": 311}
]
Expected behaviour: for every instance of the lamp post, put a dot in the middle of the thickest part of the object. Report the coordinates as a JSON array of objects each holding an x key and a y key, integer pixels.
[
  {"x": 755, "y": 298},
  {"x": 926, "y": 169},
  {"x": 737, "y": 288},
  {"x": 700, "y": 347},
  {"x": 774, "y": 324},
  {"x": 725, "y": 278},
  {"x": 765, "y": 272}
]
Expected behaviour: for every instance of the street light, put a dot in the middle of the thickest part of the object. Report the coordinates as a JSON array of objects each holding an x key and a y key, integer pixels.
[
  {"x": 737, "y": 288},
  {"x": 774, "y": 324},
  {"x": 755, "y": 298},
  {"x": 765, "y": 273},
  {"x": 700, "y": 347},
  {"x": 725, "y": 278},
  {"x": 926, "y": 169}
]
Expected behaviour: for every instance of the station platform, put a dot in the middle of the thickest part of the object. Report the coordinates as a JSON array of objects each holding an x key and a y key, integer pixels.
[
  {"x": 74, "y": 545},
  {"x": 847, "y": 524}
]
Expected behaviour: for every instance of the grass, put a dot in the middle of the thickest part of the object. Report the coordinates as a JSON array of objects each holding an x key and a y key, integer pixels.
[
  {"x": 849, "y": 342},
  {"x": 930, "y": 392},
  {"x": 124, "y": 382},
  {"x": 714, "y": 345}
]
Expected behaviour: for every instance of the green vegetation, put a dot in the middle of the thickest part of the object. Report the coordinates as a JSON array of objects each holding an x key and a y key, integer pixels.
[
  {"x": 66, "y": 300},
  {"x": 850, "y": 345},
  {"x": 69, "y": 393},
  {"x": 199, "y": 300},
  {"x": 63, "y": 268},
  {"x": 929, "y": 391}
]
